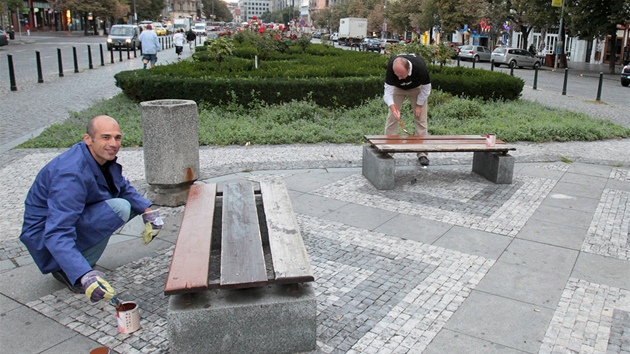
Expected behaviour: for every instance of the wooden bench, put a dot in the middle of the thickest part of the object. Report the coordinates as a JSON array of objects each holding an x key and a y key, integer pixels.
[
  {"x": 235, "y": 270},
  {"x": 257, "y": 240},
  {"x": 492, "y": 162}
]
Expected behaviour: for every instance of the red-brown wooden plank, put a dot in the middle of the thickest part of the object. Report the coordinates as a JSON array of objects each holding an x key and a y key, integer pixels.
[
  {"x": 442, "y": 148},
  {"x": 425, "y": 137},
  {"x": 191, "y": 258}
]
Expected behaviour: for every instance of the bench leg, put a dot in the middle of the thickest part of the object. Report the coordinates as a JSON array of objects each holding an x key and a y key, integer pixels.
[
  {"x": 494, "y": 166},
  {"x": 378, "y": 168}
]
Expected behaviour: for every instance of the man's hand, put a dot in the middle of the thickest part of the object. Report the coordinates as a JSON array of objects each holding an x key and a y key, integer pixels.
[
  {"x": 95, "y": 287},
  {"x": 417, "y": 112},
  {"x": 152, "y": 225},
  {"x": 395, "y": 111}
]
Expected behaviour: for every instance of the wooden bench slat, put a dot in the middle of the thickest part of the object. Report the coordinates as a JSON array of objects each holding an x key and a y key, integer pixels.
[
  {"x": 425, "y": 137},
  {"x": 242, "y": 257},
  {"x": 441, "y": 148},
  {"x": 422, "y": 141},
  {"x": 290, "y": 259},
  {"x": 191, "y": 258}
]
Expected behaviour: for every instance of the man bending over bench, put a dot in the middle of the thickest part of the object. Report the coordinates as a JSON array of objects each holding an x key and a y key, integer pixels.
[{"x": 407, "y": 76}]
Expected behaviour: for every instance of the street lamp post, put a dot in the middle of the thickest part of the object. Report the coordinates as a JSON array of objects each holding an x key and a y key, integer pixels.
[{"x": 560, "y": 43}]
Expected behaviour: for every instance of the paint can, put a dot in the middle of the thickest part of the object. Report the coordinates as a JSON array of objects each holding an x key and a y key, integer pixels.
[
  {"x": 128, "y": 317},
  {"x": 491, "y": 139},
  {"x": 100, "y": 350}
]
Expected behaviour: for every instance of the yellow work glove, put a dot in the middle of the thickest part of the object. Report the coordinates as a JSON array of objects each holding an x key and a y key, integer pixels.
[
  {"x": 152, "y": 225},
  {"x": 95, "y": 287}
]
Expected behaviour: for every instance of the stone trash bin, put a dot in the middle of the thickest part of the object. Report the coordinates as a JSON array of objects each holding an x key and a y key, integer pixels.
[{"x": 170, "y": 139}]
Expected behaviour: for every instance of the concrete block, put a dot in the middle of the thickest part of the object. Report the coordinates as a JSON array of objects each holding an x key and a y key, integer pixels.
[
  {"x": 273, "y": 319},
  {"x": 170, "y": 137},
  {"x": 494, "y": 166},
  {"x": 378, "y": 168}
]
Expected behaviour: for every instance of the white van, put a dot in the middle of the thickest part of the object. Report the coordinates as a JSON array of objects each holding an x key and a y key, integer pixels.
[{"x": 200, "y": 28}]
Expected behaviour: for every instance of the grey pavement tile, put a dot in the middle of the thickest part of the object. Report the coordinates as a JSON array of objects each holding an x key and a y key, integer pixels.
[
  {"x": 533, "y": 286},
  {"x": 588, "y": 170},
  {"x": 7, "y": 304},
  {"x": 6, "y": 264},
  {"x": 619, "y": 185},
  {"x": 25, "y": 284},
  {"x": 575, "y": 218},
  {"x": 414, "y": 228},
  {"x": 602, "y": 270},
  {"x": 571, "y": 202},
  {"x": 552, "y": 233},
  {"x": 313, "y": 179},
  {"x": 25, "y": 331},
  {"x": 75, "y": 344},
  {"x": 585, "y": 191},
  {"x": 448, "y": 341},
  {"x": 541, "y": 257},
  {"x": 535, "y": 170},
  {"x": 481, "y": 243},
  {"x": 315, "y": 205},
  {"x": 119, "y": 254},
  {"x": 500, "y": 320},
  {"x": 360, "y": 216},
  {"x": 585, "y": 180}
]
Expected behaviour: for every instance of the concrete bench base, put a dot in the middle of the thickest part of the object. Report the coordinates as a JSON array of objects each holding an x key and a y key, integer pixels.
[
  {"x": 495, "y": 167},
  {"x": 273, "y": 319},
  {"x": 379, "y": 167}
]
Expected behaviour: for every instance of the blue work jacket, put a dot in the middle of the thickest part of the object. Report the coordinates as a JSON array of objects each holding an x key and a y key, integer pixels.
[{"x": 66, "y": 213}]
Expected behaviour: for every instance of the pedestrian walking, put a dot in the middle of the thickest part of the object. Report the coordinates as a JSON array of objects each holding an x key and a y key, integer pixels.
[
  {"x": 150, "y": 46},
  {"x": 191, "y": 37},
  {"x": 28, "y": 29},
  {"x": 179, "y": 40}
]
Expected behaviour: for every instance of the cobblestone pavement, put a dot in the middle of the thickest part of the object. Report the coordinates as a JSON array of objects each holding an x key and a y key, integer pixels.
[{"x": 377, "y": 292}]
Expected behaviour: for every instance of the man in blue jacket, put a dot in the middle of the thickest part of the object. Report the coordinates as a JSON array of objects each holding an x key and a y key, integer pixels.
[{"x": 75, "y": 204}]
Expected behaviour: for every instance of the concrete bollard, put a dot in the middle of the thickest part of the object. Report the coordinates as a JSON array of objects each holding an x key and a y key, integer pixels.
[{"x": 170, "y": 137}]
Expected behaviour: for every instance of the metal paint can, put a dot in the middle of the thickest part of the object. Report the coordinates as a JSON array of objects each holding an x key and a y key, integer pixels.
[
  {"x": 128, "y": 317},
  {"x": 491, "y": 139}
]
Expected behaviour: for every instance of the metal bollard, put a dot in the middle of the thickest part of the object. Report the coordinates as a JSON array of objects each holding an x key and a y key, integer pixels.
[
  {"x": 564, "y": 86},
  {"x": 74, "y": 57},
  {"x": 128, "y": 53},
  {"x": 120, "y": 54},
  {"x": 535, "y": 78},
  {"x": 162, "y": 42},
  {"x": 511, "y": 71},
  {"x": 100, "y": 47},
  {"x": 474, "y": 61},
  {"x": 90, "y": 66},
  {"x": 492, "y": 65},
  {"x": 38, "y": 60},
  {"x": 111, "y": 55},
  {"x": 599, "y": 88},
  {"x": 134, "y": 52},
  {"x": 60, "y": 62},
  {"x": 458, "y": 61},
  {"x": 11, "y": 73}
]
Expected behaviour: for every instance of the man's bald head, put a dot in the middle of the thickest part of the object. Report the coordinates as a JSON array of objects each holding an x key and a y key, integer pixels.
[
  {"x": 401, "y": 68},
  {"x": 98, "y": 121}
]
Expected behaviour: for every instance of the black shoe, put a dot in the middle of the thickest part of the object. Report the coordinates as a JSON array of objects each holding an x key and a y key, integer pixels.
[
  {"x": 61, "y": 276},
  {"x": 424, "y": 161}
]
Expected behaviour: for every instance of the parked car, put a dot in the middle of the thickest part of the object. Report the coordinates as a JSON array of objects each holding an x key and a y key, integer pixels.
[
  {"x": 123, "y": 36},
  {"x": 514, "y": 57},
  {"x": 159, "y": 29},
  {"x": 4, "y": 38},
  {"x": 456, "y": 49},
  {"x": 475, "y": 52},
  {"x": 625, "y": 75},
  {"x": 371, "y": 44}
]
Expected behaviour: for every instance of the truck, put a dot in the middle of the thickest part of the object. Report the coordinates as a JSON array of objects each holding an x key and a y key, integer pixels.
[
  {"x": 352, "y": 30},
  {"x": 182, "y": 23}
]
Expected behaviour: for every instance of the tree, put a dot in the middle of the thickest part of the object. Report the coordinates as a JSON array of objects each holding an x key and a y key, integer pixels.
[
  {"x": 598, "y": 19},
  {"x": 221, "y": 11},
  {"x": 149, "y": 9}
]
